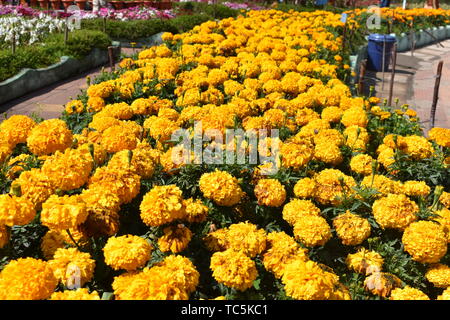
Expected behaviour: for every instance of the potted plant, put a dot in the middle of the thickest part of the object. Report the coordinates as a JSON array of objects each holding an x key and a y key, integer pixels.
[
  {"x": 67, "y": 4},
  {"x": 165, "y": 5},
  {"x": 43, "y": 4},
  {"x": 55, "y": 4},
  {"x": 117, "y": 4},
  {"x": 81, "y": 4},
  {"x": 129, "y": 3}
]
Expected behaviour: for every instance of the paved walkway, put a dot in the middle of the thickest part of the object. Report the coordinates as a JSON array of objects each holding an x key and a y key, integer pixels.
[
  {"x": 414, "y": 82},
  {"x": 48, "y": 102}
]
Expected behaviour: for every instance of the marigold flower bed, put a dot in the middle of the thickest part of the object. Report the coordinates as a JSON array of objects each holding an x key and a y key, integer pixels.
[{"x": 354, "y": 205}]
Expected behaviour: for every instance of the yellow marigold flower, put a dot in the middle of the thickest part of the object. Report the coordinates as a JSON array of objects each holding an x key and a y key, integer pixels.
[
  {"x": 16, "y": 129},
  {"x": 161, "y": 128},
  {"x": 351, "y": 228},
  {"x": 95, "y": 104},
  {"x": 217, "y": 240},
  {"x": 425, "y": 241},
  {"x": 328, "y": 153},
  {"x": 52, "y": 241},
  {"x": 382, "y": 184},
  {"x": 439, "y": 135},
  {"x": 356, "y": 138},
  {"x": 362, "y": 164},
  {"x": 78, "y": 294},
  {"x": 172, "y": 279},
  {"x": 307, "y": 281},
  {"x": 304, "y": 188},
  {"x": 141, "y": 162},
  {"x": 296, "y": 155},
  {"x": 196, "y": 211},
  {"x": 175, "y": 239},
  {"x": 416, "y": 188},
  {"x": 69, "y": 170},
  {"x": 101, "y": 90},
  {"x": 101, "y": 123},
  {"x": 365, "y": 261},
  {"x": 382, "y": 283},
  {"x": 281, "y": 250},
  {"x": 443, "y": 218},
  {"x": 332, "y": 114},
  {"x": 329, "y": 135},
  {"x": 15, "y": 211},
  {"x": 234, "y": 269},
  {"x": 123, "y": 182},
  {"x": 27, "y": 279},
  {"x": 270, "y": 192},
  {"x": 296, "y": 209},
  {"x": 18, "y": 165},
  {"x": 49, "y": 136},
  {"x": 445, "y": 295},
  {"x": 417, "y": 147},
  {"x": 74, "y": 106},
  {"x": 221, "y": 187},
  {"x": 34, "y": 186},
  {"x": 117, "y": 138},
  {"x": 312, "y": 230},
  {"x": 143, "y": 106},
  {"x": 246, "y": 237},
  {"x": 161, "y": 205},
  {"x": 4, "y": 236},
  {"x": 332, "y": 185},
  {"x": 71, "y": 266},
  {"x": 445, "y": 199},
  {"x": 183, "y": 272},
  {"x": 439, "y": 275},
  {"x": 127, "y": 252},
  {"x": 354, "y": 116},
  {"x": 408, "y": 293},
  {"x": 121, "y": 111},
  {"x": 5, "y": 149},
  {"x": 61, "y": 213},
  {"x": 395, "y": 211}
]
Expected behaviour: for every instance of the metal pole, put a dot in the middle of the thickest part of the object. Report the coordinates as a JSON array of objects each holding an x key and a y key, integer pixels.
[
  {"x": 436, "y": 93},
  {"x": 394, "y": 63}
]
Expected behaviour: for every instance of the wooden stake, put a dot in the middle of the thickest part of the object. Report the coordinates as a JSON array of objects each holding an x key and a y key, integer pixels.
[
  {"x": 383, "y": 61},
  {"x": 111, "y": 57},
  {"x": 394, "y": 63},
  {"x": 66, "y": 32},
  {"x": 362, "y": 74},
  {"x": 436, "y": 93},
  {"x": 13, "y": 48}
]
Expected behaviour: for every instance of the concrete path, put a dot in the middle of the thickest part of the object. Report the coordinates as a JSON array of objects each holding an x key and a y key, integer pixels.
[{"x": 414, "y": 82}]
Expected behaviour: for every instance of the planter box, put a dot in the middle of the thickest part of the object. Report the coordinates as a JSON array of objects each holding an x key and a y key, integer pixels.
[{"x": 29, "y": 80}]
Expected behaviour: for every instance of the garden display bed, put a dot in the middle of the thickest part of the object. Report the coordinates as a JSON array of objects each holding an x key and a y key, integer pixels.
[{"x": 232, "y": 162}]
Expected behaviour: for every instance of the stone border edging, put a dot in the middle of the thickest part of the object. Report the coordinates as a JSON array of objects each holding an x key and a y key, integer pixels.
[
  {"x": 28, "y": 80},
  {"x": 153, "y": 40}
]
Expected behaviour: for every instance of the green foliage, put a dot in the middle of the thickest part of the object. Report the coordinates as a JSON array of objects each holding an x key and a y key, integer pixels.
[
  {"x": 130, "y": 30},
  {"x": 80, "y": 43}
]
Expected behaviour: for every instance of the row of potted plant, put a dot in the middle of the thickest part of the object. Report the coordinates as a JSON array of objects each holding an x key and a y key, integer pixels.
[{"x": 117, "y": 4}]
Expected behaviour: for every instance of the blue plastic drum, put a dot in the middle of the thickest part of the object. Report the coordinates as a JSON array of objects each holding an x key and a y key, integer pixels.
[{"x": 375, "y": 51}]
